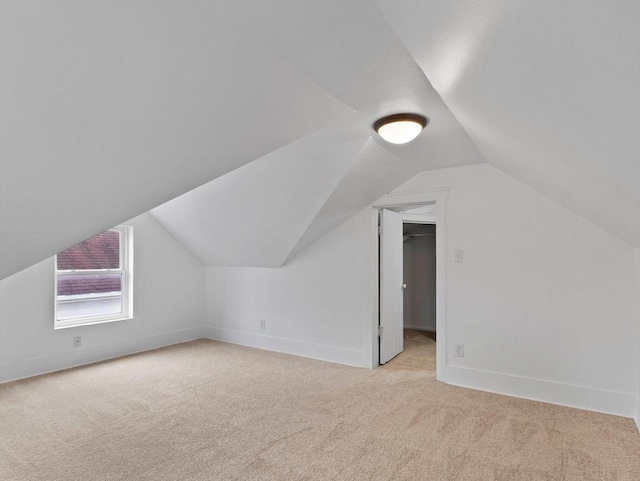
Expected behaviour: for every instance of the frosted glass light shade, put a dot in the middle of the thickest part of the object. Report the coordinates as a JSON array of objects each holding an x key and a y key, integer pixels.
[{"x": 400, "y": 128}]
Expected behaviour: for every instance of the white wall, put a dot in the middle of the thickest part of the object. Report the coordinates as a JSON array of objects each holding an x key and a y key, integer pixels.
[
  {"x": 168, "y": 308},
  {"x": 419, "y": 259},
  {"x": 543, "y": 302},
  {"x": 318, "y": 305}
]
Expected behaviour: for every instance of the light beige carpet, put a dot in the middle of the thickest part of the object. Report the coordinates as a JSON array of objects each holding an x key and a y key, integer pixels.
[{"x": 206, "y": 410}]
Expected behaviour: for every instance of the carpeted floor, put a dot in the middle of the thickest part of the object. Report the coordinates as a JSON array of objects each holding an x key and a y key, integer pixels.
[
  {"x": 419, "y": 353},
  {"x": 206, "y": 410}
]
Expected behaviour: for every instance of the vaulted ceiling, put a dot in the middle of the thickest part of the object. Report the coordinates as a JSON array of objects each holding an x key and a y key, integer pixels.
[{"x": 246, "y": 126}]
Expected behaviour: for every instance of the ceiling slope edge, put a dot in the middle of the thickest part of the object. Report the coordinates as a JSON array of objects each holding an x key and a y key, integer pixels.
[
  {"x": 373, "y": 175},
  {"x": 348, "y": 149}
]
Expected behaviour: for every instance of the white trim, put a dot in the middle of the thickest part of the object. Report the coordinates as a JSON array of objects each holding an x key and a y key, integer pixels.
[
  {"x": 128, "y": 261},
  {"x": 419, "y": 218},
  {"x": 637, "y": 265},
  {"x": 12, "y": 371},
  {"x": 372, "y": 344},
  {"x": 125, "y": 270},
  {"x": 439, "y": 197},
  {"x": 570, "y": 395},
  {"x": 287, "y": 346},
  {"x": 71, "y": 298},
  {"x": 91, "y": 321}
]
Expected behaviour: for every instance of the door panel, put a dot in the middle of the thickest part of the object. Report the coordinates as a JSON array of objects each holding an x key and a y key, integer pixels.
[{"x": 391, "y": 285}]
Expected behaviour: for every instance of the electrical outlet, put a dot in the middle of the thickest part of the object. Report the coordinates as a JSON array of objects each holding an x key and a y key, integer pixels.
[
  {"x": 459, "y": 350},
  {"x": 263, "y": 324},
  {"x": 77, "y": 341},
  {"x": 458, "y": 255}
]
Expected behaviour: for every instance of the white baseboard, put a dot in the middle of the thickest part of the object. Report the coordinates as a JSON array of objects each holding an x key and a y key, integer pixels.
[
  {"x": 581, "y": 397},
  {"x": 12, "y": 371},
  {"x": 610, "y": 402},
  {"x": 637, "y": 419},
  {"x": 287, "y": 346}
]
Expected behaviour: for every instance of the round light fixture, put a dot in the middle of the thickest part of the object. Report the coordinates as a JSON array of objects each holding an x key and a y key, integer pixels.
[{"x": 400, "y": 128}]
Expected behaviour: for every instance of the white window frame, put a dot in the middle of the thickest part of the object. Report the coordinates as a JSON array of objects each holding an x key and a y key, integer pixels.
[{"x": 126, "y": 270}]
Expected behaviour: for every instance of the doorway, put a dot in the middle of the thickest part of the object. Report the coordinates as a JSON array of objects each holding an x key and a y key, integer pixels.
[
  {"x": 419, "y": 297},
  {"x": 407, "y": 284},
  {"x": 418, "y": 208}
]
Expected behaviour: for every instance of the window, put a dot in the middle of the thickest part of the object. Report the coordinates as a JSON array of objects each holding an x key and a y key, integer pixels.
[{"x": 94, "y": 280}]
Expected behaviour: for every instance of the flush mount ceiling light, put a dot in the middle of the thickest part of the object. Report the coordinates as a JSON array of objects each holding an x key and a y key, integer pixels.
[{"x": 400, "y": 128}]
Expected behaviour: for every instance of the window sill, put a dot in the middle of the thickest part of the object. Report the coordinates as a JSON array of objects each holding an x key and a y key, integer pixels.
[{"x": 88, "y": 322}]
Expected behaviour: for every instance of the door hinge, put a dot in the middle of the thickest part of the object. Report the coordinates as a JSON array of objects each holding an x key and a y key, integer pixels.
[
  {"x": 379, "y": 229},
  {"x": 379, "y": 331}
]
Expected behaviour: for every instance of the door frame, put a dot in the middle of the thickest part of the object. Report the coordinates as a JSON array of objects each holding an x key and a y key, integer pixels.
[
  {"x": 421, "y": 219},
  {"x": 439, "y": 197}
]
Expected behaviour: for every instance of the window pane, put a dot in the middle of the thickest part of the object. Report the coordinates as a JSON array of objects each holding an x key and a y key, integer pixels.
[
  {"x": 100, "y": 252},
  {"x": 89, "y": 295},
  {"x": 84, "y": 284}
]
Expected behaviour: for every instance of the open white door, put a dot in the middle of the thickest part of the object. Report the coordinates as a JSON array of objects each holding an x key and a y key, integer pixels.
[{"x": 391, "y": 285}]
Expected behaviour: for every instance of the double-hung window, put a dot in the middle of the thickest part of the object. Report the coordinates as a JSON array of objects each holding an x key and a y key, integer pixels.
[{"x": 94, "y": 280}]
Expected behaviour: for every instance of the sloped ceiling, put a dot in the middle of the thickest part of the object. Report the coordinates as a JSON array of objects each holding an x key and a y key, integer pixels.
[
  {"x": 548, "y": 90},
  {"x": 266, "y": 213},
  {"x": 109, "y": 109}
]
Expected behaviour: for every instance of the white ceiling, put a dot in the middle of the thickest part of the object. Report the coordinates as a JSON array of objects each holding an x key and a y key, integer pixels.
[
  {"x": 548, "y": 90},
  {"x": 109, "y": 109}
]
